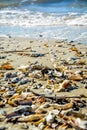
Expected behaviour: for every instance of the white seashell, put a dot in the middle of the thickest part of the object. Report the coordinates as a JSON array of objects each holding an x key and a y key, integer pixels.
[
  {"x": 55, "y": 112},
  {"x": 81, "y": 123},
  {"x": 41, "y": 126},
  {"x": 23, "y": 68},
  {"x": 48, "y": 91},
  {"x": 58, "y": 74},
  {"x": 50, "y": 118},
  {"x": 34, "y": 107}
]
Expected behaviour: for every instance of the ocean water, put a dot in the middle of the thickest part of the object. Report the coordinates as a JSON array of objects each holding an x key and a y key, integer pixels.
[{"x": 59, "y": 19}]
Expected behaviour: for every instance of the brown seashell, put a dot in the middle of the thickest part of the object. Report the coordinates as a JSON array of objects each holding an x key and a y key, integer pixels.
[
  {"x": 31, "y": 118},
  {"x": 74, "y": 49},
  {"x": 65, "y": 84},
  {"x": 40, "y": 121},
  {"x": 62, "y": 107},
  {"x": 60, "y": 68},
  {"x": 76, "y": 77},
  {"x": 62, "y": 86},
  {"x": 46, "y": 45},
  {"x": 2, "y": 102},
  {"x": 15, "y": 99},
  {"x": 81, "y": 62},
  {"x": 23, "y": 68},
  {"x": 2, "y": 91},
  {"x": 6, "y": 66},
  {"x": 25, "y": 102},
  {"x": 84, "y": 76}
]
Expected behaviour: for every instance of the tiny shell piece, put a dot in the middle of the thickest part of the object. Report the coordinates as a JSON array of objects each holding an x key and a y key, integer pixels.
[{"x": 50, "y": 118}]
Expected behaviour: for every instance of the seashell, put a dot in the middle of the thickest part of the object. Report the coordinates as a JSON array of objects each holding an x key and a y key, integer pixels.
[
  {"x": 10, "y": 75},
  {"x": 60, "y": 68},
  {"x": 34, "y": 107},
  {"x": 84, "y": 76},
  {"x": 23, "y": 68},
  {"x": 41, "y": 110},
  {"x": 1, "y": 75},
  {"x": 58, "y": 74},
  {"x": 7, "y": 75},
  {"x": 81, "y": 62},
  {"x": 31, "y": 118},
  {"x": 75, "y": 77},
  {"x": 3, "y": 112},
  {"x": 62, "y": 107},
  {"x": 6, "y": 66},
  {"x": 24, "y": 126},
  {"x": 36, "y": 66},
  {"x": 23, "y": 81},
  {"x": 8, "y": 93},
  {"x": 55, "y": 112},
  {"x": 82, "y": 124},
  {"x": 40, "y": 121},
  {"x": 2, "y": 91},
  {"x": 41, "y": 126},
  {"x": 20, "y": 110},
  {"x": 63, "y": 85},
  {"x": 15, "y": 80},
  {"x": 49, "y": 86},
  {"x": 35, "y": 74},
  {"x": 74, "y": 49},
  {"x": 3, "y": 128},
  {"x": 14, "y": 99},
  {"x": 2, "y": 102},
  {"x": 25, "y": 102},
  {"x": 37, "y": 55},
  {"x": 50, "y": 118},
  {"x": 45, "y": 105},
  {"x": 19, "y": 100}
]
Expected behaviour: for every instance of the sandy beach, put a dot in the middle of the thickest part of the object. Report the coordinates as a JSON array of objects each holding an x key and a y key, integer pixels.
[{"x": 34, "y": 73}]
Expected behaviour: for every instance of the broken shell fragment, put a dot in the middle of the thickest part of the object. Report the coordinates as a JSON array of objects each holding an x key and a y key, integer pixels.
[
  {"x": 6, "y": 66},
  {"x": 31, "y": 118},
  {"x": 23, "y": 68},
  {"x": 50, "y": 118},
  {"x": 63, "y": 86},
  {"x": 76, "y": 77}
]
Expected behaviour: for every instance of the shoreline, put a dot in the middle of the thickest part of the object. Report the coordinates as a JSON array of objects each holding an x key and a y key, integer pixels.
[{"x": 44, "y": 67}]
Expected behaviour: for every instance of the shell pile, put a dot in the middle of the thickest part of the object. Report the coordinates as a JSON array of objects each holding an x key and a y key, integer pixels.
[{"x": 41, "y": 97}]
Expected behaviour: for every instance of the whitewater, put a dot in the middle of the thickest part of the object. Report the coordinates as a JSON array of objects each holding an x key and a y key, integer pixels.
[{"x": 60, "y": 19}]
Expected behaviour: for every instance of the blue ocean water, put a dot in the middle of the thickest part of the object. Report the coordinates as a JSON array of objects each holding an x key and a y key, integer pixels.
[{"x": 60, "y": 19}]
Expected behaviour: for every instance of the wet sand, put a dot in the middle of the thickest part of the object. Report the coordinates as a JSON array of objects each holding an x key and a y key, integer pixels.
[{"x": 68, "y": 59}]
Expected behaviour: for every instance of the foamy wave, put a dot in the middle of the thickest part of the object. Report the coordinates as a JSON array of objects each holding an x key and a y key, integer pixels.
[
  {"x": 79, "y": 21},
  {"x": 30, "y": 18}
]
